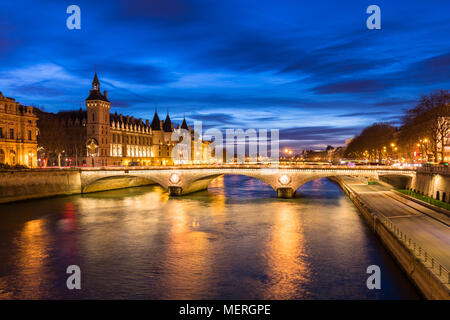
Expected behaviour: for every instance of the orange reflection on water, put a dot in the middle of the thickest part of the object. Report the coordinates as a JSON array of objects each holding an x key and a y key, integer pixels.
[
  {"x": 218, "y": 201},
  {"x": 286, "y": 263},
  {"x": 188, "y": 264},
  {"x": 32, "y": 246}
]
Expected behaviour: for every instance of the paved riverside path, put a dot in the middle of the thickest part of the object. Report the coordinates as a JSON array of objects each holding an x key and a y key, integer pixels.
[{"x": 429, "y": 228}]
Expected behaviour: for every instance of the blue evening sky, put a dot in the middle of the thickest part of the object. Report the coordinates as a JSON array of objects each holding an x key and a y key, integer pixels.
[{"x": 310, "y": 68}]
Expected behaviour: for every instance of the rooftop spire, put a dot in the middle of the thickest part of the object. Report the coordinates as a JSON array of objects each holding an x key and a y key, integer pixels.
[
  {"x": 156, "y": 124},
  {"x": 95, "y": 83},
  {"x": 167, "y": 127},
  {"x": 184, "y": 124},
  {"x": 95, "y": 93}
]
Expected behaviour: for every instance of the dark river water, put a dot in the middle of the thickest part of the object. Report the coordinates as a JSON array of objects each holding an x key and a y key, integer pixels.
[{"x": 234, "y": 241}]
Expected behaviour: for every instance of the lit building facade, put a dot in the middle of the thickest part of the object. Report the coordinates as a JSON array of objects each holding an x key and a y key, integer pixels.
[
  {"x": 109, "y": 139},
  {"x": 18, "y": 129}
]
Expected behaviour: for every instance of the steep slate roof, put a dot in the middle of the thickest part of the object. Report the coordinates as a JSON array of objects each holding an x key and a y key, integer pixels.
[
  {"x": 184, "y": 124},
  {"x": 156, "y": 123},
  {"x": 167, "y": 127},
  {"x": 128, "y": 121}
]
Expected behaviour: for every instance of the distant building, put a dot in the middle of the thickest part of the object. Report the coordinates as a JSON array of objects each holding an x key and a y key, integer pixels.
[
  {"x": 96, "y": 137},
  {"x": 330, "y": 154},
  {"x": 315, "y": 155},
  {"x": 18, "y": 144}
]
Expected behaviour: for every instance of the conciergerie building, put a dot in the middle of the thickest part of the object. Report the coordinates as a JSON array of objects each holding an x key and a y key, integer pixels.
[{"x": 96, "y": 137}]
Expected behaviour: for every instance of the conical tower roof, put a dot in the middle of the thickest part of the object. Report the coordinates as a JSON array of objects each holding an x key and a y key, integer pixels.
[
  {"x": 95, "y": 82},
  {"x": 167, "y": 124},
  {"x": 156, "y": 124},
  {"x": 184, "y": 124}
]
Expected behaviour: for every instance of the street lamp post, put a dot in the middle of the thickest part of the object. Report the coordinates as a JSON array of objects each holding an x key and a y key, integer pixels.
[
  {"x": 92, "y": 149},
  {"x": 59, "y": 158}
]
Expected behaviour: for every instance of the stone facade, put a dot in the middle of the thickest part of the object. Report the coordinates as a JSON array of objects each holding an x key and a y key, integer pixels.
[
  {"x": 433, "y": 182},
  {"x": 18, "y": 129}
]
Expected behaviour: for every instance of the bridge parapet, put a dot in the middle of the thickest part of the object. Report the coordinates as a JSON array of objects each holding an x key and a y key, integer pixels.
[{"x": 444, "y": 170}]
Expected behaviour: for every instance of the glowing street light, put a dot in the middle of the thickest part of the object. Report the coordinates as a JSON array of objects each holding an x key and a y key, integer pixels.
[
  {"x": 174, "y": 178},
  {"x": 284, "y": 179}
]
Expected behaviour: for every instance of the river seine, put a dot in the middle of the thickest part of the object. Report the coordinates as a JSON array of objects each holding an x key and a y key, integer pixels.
[{"x": 234, "y": 241}]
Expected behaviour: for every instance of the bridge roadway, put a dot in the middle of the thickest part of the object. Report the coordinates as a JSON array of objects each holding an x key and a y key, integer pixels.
[
  {"x": 180, "y": 180},
  {"x": 428, "y": 227}
]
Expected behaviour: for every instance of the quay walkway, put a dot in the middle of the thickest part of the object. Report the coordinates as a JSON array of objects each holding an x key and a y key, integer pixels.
[{"x": 423, "y": 231}]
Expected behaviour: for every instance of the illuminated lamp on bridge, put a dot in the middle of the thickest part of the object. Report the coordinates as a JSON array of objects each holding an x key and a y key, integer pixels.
[
  {"x": 284, "y": 179},
  {"x": 285, "y": 191},
  {"x": 174, "y": 178}
]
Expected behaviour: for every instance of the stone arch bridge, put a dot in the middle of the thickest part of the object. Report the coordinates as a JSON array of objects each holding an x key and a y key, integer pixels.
[{"x": 177, "y": 180}]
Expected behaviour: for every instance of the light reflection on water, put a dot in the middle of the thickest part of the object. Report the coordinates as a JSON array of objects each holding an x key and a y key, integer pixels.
[{"x": 234, "y": 241}]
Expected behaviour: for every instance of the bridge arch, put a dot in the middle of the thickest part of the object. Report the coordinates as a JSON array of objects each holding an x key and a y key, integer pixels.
[
  {"x": 284, "y": 182},
  {"x": 197, "y": 183},
  {"x": 115, "y": 182},
  {"x": 400, "y": 181}
]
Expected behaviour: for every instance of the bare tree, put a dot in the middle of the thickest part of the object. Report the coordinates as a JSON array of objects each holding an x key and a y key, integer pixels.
[{"x": 429, "y": 121}]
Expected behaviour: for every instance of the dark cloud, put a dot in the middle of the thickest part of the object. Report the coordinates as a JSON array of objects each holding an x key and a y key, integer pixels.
[
  {"x": 123, "y": 104},
  {"x": 252, "y": 51},
  {"x": 359, "y": 114},
  {"x": 319, "y": 133},
  {"x": 170, "y": 12},
  {"x": 139, "y": 73},
  {"x": 215, "y": 118},
  {"x": 41, "y": 89},
  {"x": 395, "y": 102},
  {"x": 435, "y": 69},
  {"x": 316, "y": 137},
  {"x": 354, "y": 86}
]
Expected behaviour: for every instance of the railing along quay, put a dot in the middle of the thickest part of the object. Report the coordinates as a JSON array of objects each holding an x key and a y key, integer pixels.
[
  {"x": 427, "y": 259},
  {"x": 442, "y": 273}
]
